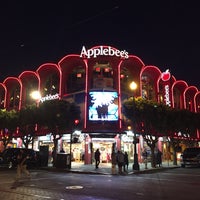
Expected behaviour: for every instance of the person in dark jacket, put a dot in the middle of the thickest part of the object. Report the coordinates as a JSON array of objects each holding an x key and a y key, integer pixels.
[
  {"x": 97, "y": 158},
  {"x": 114, "y": 162},
  {"x": 126, "y": 161},
  {"x": 159, "y": 158},
  {"x": 120, "y": 161},
  {"x": 145, "y": 157}
]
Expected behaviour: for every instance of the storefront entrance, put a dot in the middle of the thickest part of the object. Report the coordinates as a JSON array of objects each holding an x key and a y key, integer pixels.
[{"x": 105, "y": 146}]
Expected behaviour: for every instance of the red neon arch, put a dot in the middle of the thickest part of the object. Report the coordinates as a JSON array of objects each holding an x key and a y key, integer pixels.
[
  {"x": 5, "y": 90},
  {"x": 10, "y": 80}
]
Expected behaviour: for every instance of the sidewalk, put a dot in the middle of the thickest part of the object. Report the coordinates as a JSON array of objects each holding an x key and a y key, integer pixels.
[{"x": 106, "y": 169}]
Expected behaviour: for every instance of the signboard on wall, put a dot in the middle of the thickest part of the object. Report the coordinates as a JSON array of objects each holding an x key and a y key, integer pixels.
[
  {"x": 103, "y": 106},
  {"x": 165, "y": 77},
  {"x": 103, "y": 51}
]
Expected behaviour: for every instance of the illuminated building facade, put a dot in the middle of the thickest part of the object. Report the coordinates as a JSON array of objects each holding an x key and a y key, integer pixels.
[{"x": 98, "y": 80}]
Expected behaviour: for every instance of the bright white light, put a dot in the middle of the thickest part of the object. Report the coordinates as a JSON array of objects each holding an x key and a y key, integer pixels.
[
  {"x": 35, "y": 95},
  {"x": 133, "y": 85}
]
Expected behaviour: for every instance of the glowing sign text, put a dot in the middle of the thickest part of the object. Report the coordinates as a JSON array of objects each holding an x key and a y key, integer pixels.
[
  {"x": 167, "y": 98},
  {"x": 103, "y": 51},
  {"x": 49, "y": 97}
]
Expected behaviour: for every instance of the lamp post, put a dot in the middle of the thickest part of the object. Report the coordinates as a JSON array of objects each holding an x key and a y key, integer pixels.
[
  {"x": 133, "y": 87},
  {"x": 36, "y": 96}
]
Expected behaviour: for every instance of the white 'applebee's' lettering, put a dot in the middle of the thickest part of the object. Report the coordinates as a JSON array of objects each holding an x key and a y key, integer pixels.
[
  {"x": 49, "y": 97},
  {"x": 103, "y": 51},
  {"x": 167, "y": 100}
]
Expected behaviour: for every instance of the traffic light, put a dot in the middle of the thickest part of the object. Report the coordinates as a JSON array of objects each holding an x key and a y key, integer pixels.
[{"x": 76, "y": 122}]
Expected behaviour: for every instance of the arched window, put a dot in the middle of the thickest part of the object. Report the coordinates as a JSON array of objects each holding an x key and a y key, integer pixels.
[
  {"x": 126, "y": 77},
  {"x": 148, "y": 88},
  {"x": 76, "y": 80},
  {"x": 102, "y": 75},
  {"x": 14, "y": 98},
  {"x": 51, "y": 85},
  {"x": 30, "y": 87}
]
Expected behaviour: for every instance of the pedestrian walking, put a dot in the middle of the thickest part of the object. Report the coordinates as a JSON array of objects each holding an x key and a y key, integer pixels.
[
  {"x": 120, "y": 161},
  {"x": 97, "y": 158},
  {"x": 114, "y": 162},
  {"x": 144, "y": 156},
  {"x": 159, "y": 158},
  {"x": 53, "y": 154},
  {"x": 22, "y": 164},
  {"x": 126, "y": 161}
]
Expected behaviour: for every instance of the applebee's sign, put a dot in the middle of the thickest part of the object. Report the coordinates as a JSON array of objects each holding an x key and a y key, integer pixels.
[
  {"x": 167, "y": 97},
  {"x": 165, "y": 76},
  {"x": 103, "y": 51},
  {"x": 49, "y": 97}
]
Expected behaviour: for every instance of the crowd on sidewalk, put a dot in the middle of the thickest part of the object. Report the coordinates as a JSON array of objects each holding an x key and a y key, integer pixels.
[
  {"x": 120, "y": 164},
  {"x": 108, "y": 168}
]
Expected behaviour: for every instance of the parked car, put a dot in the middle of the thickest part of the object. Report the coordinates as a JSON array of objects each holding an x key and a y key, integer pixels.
[
  {"x": 8, "y": 158},
  {"x": 191, "y": 157}
]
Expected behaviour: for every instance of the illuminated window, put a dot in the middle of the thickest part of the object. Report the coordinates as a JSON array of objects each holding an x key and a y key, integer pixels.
[
  {"x": 78, "y": 75},
  {"x": 51, "y": 86},
  {"x": 102, "y": 75},
  {"x": 76, "y": 80},
  {"x": 98, "y": 69}
]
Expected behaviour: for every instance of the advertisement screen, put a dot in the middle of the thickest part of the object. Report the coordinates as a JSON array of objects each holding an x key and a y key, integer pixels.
[{"x": 103, "y": 106}]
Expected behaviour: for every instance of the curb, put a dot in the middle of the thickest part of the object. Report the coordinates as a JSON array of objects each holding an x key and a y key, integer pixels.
[
  {"x": 146, "y": 171},
  {"x": 154, "y": 170}
]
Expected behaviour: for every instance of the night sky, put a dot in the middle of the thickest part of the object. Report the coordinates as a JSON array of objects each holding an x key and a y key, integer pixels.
[{"x": 161, "y": 33}]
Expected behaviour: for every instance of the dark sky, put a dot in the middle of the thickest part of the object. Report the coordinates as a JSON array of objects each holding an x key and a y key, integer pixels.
[{"x": 162, "y": 33}]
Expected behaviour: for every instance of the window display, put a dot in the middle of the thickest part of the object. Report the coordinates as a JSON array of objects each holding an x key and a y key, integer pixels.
[{"x": 103, "y": 106}]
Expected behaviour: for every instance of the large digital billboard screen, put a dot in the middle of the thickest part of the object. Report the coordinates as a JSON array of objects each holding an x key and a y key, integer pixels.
[{"x": 103, "y": 106}]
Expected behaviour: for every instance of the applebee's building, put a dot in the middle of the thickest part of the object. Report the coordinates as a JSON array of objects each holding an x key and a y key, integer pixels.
[{"x": 98, "y": 79}]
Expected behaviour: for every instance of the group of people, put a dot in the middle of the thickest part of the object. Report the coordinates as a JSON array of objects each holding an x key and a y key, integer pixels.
[
  {"x": 158, "y": 157},
  {"x": 121, "y": 159}
]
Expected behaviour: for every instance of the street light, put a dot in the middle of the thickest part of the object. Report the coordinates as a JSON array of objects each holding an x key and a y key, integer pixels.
[
  {"x": 133, "y": 87},
  {"x": 35, "y": 95}
]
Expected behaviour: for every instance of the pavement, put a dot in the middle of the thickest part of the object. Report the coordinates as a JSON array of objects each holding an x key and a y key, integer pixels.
[{"x": 106, "y": 168}]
